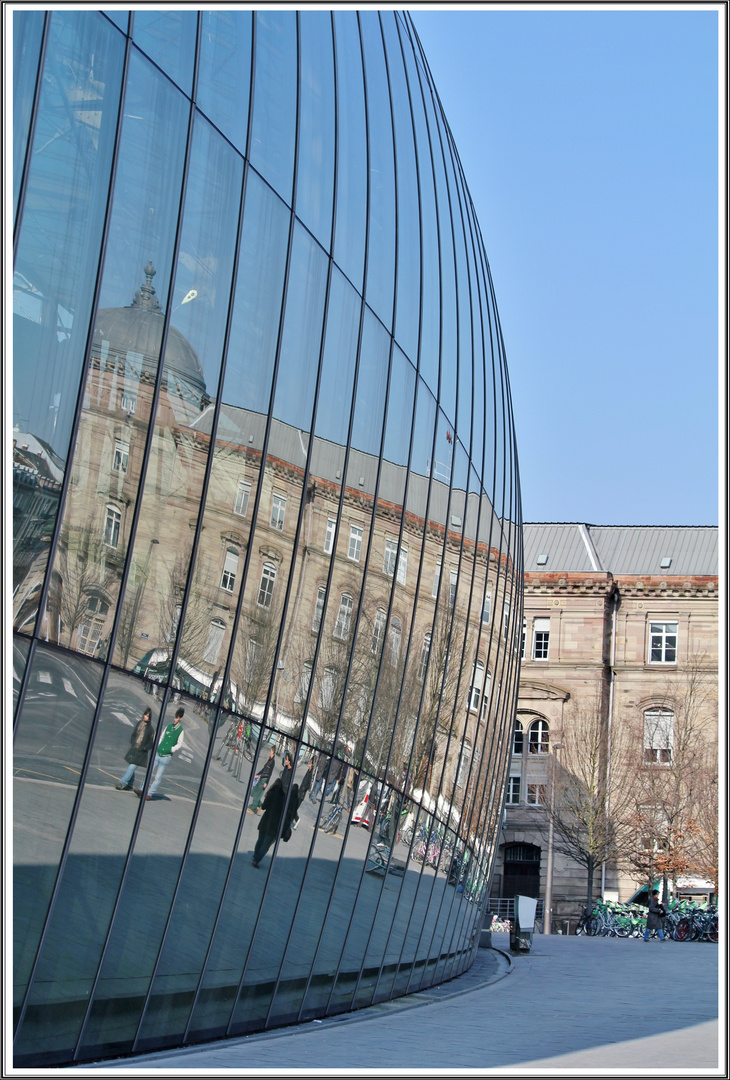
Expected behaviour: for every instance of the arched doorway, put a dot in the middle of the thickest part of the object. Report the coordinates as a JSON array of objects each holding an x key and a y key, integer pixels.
[{"x": 521, "y": 870}]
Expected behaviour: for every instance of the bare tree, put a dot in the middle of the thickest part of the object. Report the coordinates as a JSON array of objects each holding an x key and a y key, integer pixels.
[
  {"x": 81, "y": 575},
  {"x": 673, "y": 773},
  {"x": 587, "y": 801}
]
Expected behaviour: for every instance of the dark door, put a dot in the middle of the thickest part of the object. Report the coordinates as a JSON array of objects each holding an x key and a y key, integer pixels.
[{"x": 521, "y": 870}]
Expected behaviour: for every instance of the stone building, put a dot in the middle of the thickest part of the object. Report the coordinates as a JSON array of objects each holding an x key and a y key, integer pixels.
[{"x": 618, "y": 621}]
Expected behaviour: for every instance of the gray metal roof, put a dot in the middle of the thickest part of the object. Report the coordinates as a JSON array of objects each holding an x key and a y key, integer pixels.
[{"x": 622, "y": 549}]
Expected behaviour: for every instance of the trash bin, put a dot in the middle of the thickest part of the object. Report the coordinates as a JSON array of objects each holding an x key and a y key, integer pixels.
[{"x": 523, "y": 924}]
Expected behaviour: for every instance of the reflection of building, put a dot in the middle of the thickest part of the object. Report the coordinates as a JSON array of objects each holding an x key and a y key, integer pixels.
[
  {"x": 618, "y": 622},
  {"x": 255, "y": 493}
]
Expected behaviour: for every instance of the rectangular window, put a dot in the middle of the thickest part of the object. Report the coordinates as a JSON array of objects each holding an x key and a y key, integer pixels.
[
  {"x": 658, "y": 736},
  {"x": 663, "y": 642},
  {"x": 318, "y": 608},
  {"x": 475, "y": 693},
  {"x": 402, "y": 565},
  {"x": 541, "y": 639},
  {"x": 391, "y": 549},
  {"x": 327, "y": 689},
  {"x": 344, "y": 616},
  {"x": 129, "y": 402},
  {"x": 243, "y": 494},
  {"x": 266, "y": 586},
  {"x": 216, "y": 631},
  {"x": 353, "y": 551},
  {"x": 111, "y": 526},
  {"x": 423, "y": 659},
  {"x": 464, "y": 762},
  {"x": 453, "y": 578},
  {"x": 253, "y": 652},
  {"x": 121, "y": 456},
  {"x": 174, "y": 623},
  {"x": 304, "y": 680},
  {"x": 329, "y": 535},
  {"x": 230, "y": 569},
  {"x": 524, "y": 636},
  {"x": 514, "y": 784},
  {"x": 278, "y": 506},
  {"x": 487, "y": 609},
  {"x": 378, "y": 629},
  {"x": 395, "y": 635},
  {"x": 505, "y": 619},
  {"x": 536, "y": 794},
  {"x": 436, "y": 580}
]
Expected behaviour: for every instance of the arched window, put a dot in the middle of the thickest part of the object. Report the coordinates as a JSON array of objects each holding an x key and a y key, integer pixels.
[
  {"x": 266, "y": 585},
  {"x": 538, "y": 737},
  {"x": 423, "y": 659},
  {"x": 658, "y": 736},
  {"x": 518, "y": 738},
  {"x": 344, "y": 616},
  {"x": 216, "y": 630}
]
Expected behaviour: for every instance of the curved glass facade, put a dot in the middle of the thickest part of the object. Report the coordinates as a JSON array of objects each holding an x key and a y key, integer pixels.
[{"x": 264, "y": 473}]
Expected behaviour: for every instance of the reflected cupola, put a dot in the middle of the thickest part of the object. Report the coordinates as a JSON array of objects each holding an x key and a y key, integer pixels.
[{"x": 132, "y": 336}]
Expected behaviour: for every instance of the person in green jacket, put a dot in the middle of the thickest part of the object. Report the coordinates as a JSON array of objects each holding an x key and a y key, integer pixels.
[{"x": 172, "y": 740}]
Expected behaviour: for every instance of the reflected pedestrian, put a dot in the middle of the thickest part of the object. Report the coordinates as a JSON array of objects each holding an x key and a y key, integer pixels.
[
  {"x": 140, "y": 744},
  {"x": 286, "y": 772},
  {"x": 273, "y": 809},
  {"x": 261, "y": 782},
  {"x": 172, "y": 740}
]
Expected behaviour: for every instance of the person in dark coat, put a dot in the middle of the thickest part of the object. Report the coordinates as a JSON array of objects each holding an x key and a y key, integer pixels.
[
  {"x": 140, "y": 744},
  {"x": 262, "y": 782},
  {"x": 273, "y": 810},
  {"x": 655, "y": 918},
  {"x": 286, "y": 772},
  {"x": 304, "y": 788}
]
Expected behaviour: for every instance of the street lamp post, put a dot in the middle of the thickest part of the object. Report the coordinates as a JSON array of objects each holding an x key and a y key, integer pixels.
[{"x": 548, "y": 913}]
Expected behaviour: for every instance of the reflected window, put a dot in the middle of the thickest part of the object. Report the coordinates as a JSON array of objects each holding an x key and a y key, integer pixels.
[
  {"x": 378, "y": 630},
  {"x": 355, "y": 547},
  {"x": 327, "y": 689},
  {"x": 111, "y": 526},
  {"x": 304, "y": 680},
  {"x": 514, "y": 785},
  {"x": 658, "y": 736},
  {"x": 243, "y": 494},
  {"x": 475, "y": 693},
  {"x": 538, "y": 737},
  {"x": 518, "y": 738},
  {"x": 266, "y": 585},
  {"x": 541, "y": 641},
  {"x": 230, "y": 569},
  {"x": 505, "y": 619},
  {"x": 453, "y": 578},
  {"x": 464, "y": 763},
  {"x": 524, "y": 636},
  {"x": 394, "y": 641},
  {"x": 423, "y": 659},
  {"x": 90, "y": 630},
  {"x": 216, "y": 630},
  {"x": 487, "y": 609},
  {"x": 128, "y": 403},
  {"x": 278, "y": 506},
  {"x": 536, "y": 794},
  {"x": 174, "y": 623},
  {"x": 663, "y": 642},
  {"x": 253, "y": 652},
  {"x": 344, "y": 616},
  {"x": 329, "y": 535},
  {"x": 391, "y": 551},
  {"x": 319, "y": 608},
  {"x": 436, "y": 580},
  {"x": 121, "y": 456}
]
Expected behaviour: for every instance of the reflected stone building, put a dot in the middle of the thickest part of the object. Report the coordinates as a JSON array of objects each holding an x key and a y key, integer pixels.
[{"x": 264, "y": 471}]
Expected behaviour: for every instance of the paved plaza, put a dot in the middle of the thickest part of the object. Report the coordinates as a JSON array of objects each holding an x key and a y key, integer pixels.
[{"x": 573, "y": 1005}]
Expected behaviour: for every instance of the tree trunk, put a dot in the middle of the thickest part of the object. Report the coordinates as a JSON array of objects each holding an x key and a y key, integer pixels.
[{"x": 589, "y": 892}]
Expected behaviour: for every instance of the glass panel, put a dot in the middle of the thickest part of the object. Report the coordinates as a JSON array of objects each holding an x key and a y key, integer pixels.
[
  {"x": 241, "y": 900},
  {"x": 409, "y": 239},
  {"x": 58, "y": 255},
  {"x": 256, "y": 310},
  {"x": 184, "y": 413},
  {"x": 381, "y": 224},
  {"x": 428, "y": 361},
  {"x": 302, "y": 334},
  {"x": 275, "y": 99},
  {"x": 27, "y": 36},
  {"x": 20, "y": 657},
  {"x": 447, "y": 312},
  {"x": 125, "y": 353},
  {"x": 152, "y": 873},
  {"x": 372, "y": 381},
  {"x": 350, "y": 225},
  {"x": 123, "y": 740},
  {"x": 168, "y": 38},
  {"x": 121, "y": 18},
  {"x": 52, "y": 733},
  {"x": 224, "y": 72},
  {"x": 196, "y": 905},
  {"x": 316, "y": 165}
]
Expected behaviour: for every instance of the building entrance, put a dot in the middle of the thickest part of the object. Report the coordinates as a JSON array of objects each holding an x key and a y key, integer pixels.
[{"x": 521, "y": 870}]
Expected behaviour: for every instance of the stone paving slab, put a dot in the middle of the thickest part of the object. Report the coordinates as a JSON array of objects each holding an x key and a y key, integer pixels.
[{"x": 573, "y": 1005}]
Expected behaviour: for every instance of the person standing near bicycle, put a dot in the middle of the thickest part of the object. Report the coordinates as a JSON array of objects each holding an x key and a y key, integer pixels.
[
  {"x": 261, "y": 782},
  {"x": 655, "y": 917}
]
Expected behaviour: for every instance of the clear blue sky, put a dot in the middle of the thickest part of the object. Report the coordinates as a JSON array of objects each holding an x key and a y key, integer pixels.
[{"x": 589, "y": 143}]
